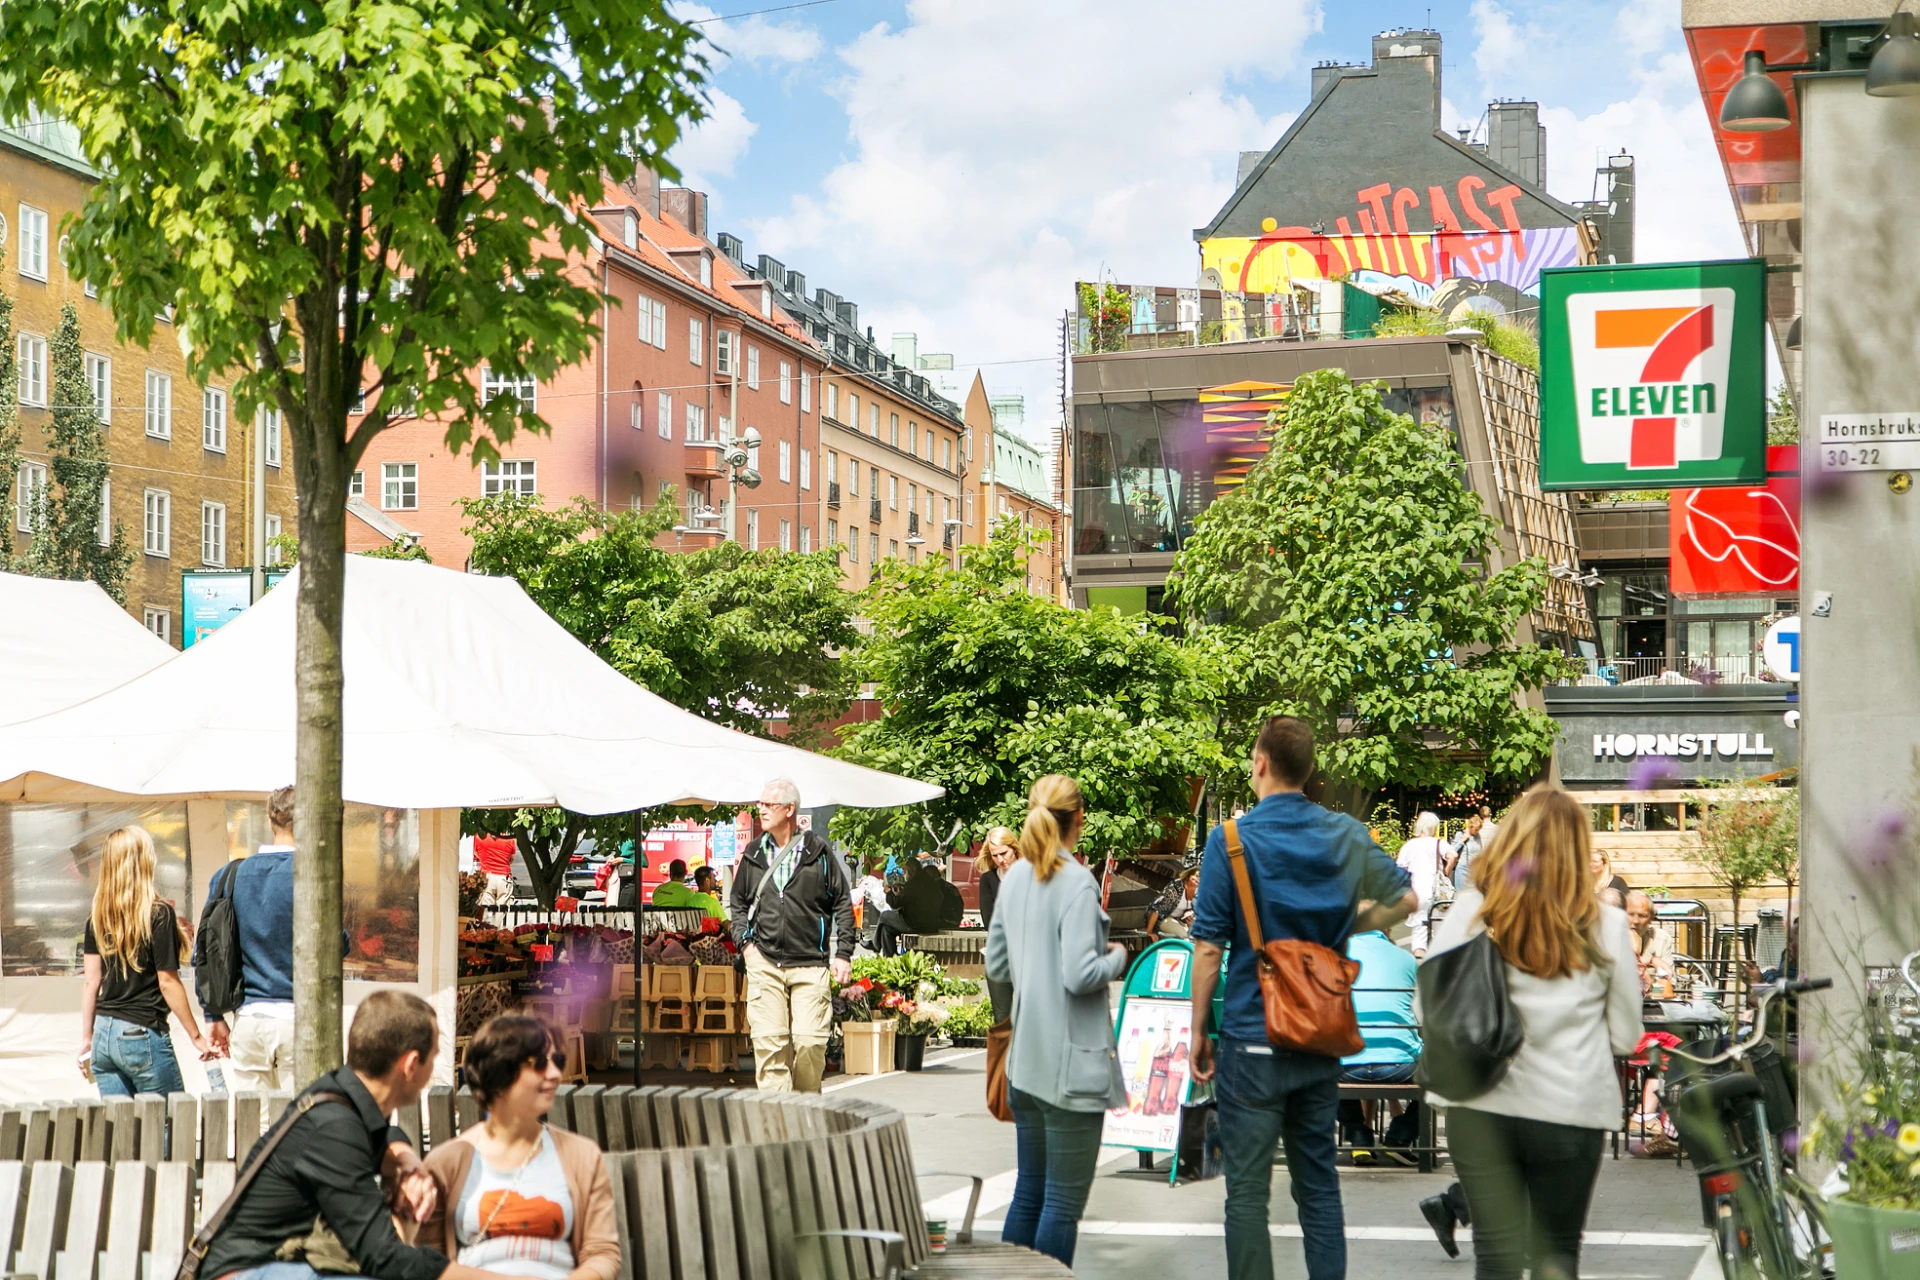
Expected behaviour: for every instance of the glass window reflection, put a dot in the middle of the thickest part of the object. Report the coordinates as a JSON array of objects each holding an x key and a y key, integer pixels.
[{"x": 49, "y": 864}]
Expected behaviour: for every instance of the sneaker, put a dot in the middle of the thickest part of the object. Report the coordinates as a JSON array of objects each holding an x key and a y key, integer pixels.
[
  {"x": 1438, "y": 1211},
  {"x": 1363, "y": 1157},
  {"x": 1405, "y": 1159}
]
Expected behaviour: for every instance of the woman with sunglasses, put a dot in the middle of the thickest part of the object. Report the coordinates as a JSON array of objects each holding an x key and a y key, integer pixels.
[
  {"x": 522, "y": 1199},
  {"x": 997, "y": 853}
]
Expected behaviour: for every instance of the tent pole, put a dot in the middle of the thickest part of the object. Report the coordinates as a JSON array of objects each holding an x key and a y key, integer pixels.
[{"x": 639, "y": 949}]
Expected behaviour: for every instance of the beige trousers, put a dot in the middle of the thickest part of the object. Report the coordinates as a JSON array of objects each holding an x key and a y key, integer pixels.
[
  {"x": 262, "y": 1050},
  {"x": 789, "y": 1014}
]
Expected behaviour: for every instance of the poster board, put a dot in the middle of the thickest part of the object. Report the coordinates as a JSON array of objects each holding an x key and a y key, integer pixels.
[{"x": 1155, "y": 1052}]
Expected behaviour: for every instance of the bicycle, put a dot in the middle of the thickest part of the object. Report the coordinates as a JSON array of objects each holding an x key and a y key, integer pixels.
[{"x": 1767, "y": 1224}]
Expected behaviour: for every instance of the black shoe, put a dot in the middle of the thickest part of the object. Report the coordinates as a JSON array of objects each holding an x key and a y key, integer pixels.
[
  {"x": 1438, "y": 1211},
  {"x": 1457, "y": 1200},
  {"x": 1405, "y": 1159}
]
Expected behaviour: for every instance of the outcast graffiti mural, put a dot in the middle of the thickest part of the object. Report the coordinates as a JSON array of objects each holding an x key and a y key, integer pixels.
[{"x": 1494, "y": 267}]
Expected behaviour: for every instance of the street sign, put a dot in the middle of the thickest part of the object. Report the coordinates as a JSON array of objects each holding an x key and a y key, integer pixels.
[
  {"x": 1653, "y": 375},
  {"x": 1870, "y": 441},
  {"x": 1780, "y": 650}
]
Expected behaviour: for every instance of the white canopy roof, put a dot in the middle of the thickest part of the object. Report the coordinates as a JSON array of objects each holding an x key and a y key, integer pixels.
[
  {"x": 460, "y": 692},
  {"x": 61, "y": 642}
]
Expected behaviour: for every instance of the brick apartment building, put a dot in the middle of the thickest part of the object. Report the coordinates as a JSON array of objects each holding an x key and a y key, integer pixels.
[
  {"x": 1008, "y": 481},
  {"x": 179, "y": 481}
]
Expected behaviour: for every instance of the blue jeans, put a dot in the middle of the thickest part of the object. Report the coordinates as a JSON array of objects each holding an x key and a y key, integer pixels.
[
  {"x": 1266, "y": 1094},
  {"x": 129, "y": 1058},
  {"x": 1353, "y": 1117},
  {"x": 286, "y": 1271},
  {"x": 1058, "y": 1152}
]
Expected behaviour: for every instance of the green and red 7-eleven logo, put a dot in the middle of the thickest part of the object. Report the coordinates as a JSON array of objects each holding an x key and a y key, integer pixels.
[{"x": 1650, "y": 372}]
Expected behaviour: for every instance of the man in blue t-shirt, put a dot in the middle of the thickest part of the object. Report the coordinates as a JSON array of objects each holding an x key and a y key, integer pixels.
[
  {"x": 1383, "y": 1001},
  {"x": 1318, "y": 877}
]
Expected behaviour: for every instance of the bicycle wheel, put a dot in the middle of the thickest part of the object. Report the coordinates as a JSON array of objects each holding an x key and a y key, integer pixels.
[
  {"x": 1735, "y": 1243},
  {"x": 1807, "y": 1227}
]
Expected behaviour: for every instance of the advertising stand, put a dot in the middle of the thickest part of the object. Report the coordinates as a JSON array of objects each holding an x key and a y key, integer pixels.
[{"x": 1166, "y": 1111}]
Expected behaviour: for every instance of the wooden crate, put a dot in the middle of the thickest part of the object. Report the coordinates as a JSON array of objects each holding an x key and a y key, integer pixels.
[{"x": 714, "y": 982}]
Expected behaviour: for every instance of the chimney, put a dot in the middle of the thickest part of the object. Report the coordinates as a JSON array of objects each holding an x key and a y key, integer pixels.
[
  {"x": 906, "y": 349},
  {"x": 1249, "y": 161},
  {"x": 688, "y": 208},
  {"x": 829, "y": 304},
  {"x": 1517, "y": 141},
  {"x": 1328, "y": 74},
  {"x": 796, "y": 284},
  {"x": 644, "y": 185},
  {"x": 774, "y": 271},
  {"x": 733, "y": 246},
  {"x": 849, "y": 315},
  {"x": 1394, "y": 51}
]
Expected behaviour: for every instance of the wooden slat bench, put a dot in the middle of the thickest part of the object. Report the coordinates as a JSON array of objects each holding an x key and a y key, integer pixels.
[{"x": 1426, "y": 1147}]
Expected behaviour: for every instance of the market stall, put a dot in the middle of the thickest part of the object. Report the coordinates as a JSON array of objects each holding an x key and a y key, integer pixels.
[{"x": 460, "y": 692}]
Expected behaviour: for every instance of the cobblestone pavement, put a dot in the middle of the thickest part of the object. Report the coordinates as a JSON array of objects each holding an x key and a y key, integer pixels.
[{"x": 1644, "y": 1225}]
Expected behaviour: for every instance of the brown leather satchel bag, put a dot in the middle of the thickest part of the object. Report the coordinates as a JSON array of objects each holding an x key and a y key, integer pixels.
[
  {"x": 999, "y": 1040},
  {"x": 1307, "y": 989}
]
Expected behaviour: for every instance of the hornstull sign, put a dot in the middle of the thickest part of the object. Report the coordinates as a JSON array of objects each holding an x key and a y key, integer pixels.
[{"x": 1652, "y": 376}]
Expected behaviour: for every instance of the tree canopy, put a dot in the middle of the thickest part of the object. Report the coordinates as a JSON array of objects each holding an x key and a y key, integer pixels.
[
  {"x": 1344, "y": 583},
  {"x": 985, "y": 688}
]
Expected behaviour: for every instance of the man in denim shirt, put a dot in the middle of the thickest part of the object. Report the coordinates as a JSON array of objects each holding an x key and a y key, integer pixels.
[{"x": 1319, "y": 877}]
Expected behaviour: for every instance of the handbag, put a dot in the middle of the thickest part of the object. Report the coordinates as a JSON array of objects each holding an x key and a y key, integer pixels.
[
  {"x": 1469, "y": 1025},
  {"x": 197, "y": 1248},
  {"x": 999, "y": 1040},
  {"x": 1442, "y": 882},
  {"x": 1307, "y": 989}
]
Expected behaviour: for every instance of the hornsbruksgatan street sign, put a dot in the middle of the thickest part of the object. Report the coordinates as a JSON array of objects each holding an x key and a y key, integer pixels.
[{"x": 1653, "y": 375}]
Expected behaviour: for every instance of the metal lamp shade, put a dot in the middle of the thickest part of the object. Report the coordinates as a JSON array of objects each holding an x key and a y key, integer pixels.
[
  {"x": 1756, "y": 104},
  {"x": 1895, "y": 69}
]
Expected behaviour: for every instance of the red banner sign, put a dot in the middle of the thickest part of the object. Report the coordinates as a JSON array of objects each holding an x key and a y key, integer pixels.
[{"x": 1739, "y": 541}]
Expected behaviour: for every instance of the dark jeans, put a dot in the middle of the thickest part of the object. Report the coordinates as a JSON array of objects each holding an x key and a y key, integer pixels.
[
  {"x": 129, "y": 1058},
  {"x": 1528, "y": 1184},
  {"x": 1353, "y": 1116},
  {"x": 1266, "y": 1094},
  {"x": 1058, "y": 1152}
]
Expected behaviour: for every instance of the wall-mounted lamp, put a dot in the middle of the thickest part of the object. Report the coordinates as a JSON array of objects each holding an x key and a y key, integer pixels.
[
  {"x": 1755, "y": 104},
  {"x": 1895, "y": 69}
]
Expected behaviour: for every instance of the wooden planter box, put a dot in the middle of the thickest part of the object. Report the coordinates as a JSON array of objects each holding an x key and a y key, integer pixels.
[{"x": 868, "y": 1047}]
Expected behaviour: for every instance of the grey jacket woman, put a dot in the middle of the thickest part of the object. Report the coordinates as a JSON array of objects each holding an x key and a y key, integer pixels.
[{"x": 1049, "y": 938}]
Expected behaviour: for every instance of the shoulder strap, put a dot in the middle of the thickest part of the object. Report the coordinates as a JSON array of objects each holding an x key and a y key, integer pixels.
[
  {"x": 1247, "y": 906},
  {"x": 197, "y": 1250}
]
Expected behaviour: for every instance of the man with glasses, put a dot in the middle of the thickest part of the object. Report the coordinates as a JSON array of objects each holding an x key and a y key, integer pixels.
[{"x": 792, "y": 910}]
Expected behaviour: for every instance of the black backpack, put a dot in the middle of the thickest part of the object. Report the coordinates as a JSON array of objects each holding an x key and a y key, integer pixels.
[{"x": 216, "y": 954}]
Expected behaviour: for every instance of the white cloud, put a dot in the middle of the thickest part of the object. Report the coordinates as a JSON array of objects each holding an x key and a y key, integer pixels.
[
  {"x": 1001, "y": 149},
  {"x": 754, "y": 39},
  {"x": 1504, "y": 43},
  {"x": 711, "y": 148}
]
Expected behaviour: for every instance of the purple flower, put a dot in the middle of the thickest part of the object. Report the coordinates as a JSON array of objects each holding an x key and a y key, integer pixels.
[
  {"x": 1846, "y": 1148},
  {"x": 1890, "y": 1128},
  {"x": 1651, "y": 773},
  {"x": 1883, "y": 840},
  {"x": 1790, "y": 1141}
]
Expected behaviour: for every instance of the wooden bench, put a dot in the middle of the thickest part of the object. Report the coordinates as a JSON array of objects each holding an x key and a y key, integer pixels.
[
  {"x": 1426, "y": 1148},
  {"x": 709, "y": 1184}
]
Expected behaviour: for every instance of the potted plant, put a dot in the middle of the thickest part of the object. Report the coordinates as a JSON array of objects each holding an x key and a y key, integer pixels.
[
  {"x": 916, "y": 1020},
  {"x": 866, "y": 1041},
  {"x": 1874, "y": 1137}
]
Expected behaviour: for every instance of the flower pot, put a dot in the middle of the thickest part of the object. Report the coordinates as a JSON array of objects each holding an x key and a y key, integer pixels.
[
  {"x": 1873, "y": 1244},
  {"x": 866, "y": 1047},
  {"x": 909, "y": 1052}
]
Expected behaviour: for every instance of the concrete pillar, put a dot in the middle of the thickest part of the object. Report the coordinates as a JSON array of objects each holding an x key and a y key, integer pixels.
[{"x": 1861, "y": 545}]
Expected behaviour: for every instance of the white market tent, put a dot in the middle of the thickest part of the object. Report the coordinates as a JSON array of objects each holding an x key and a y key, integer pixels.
[
  {"x": 62, "y": 642},
  {"x": 460, "y": 692}
]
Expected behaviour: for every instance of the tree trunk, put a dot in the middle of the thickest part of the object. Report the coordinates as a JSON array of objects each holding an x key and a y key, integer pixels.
[
  {"x": 318, "y": 809},
  {"x": 548, "y": 860}
]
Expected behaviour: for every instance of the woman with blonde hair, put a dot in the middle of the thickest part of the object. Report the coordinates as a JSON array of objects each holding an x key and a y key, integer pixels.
[
  {"x": 1049, "y": 939},
  {"x": 131, "y": 963},
  {"x": 1528, "y": 1150},
  {"x": 1604, "y": 876},
  {"x": 997, "y": 853}
]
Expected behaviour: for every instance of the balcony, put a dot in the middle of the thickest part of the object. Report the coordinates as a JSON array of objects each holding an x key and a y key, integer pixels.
[
  {"x": 1719, "y": 669},
  {"x": 949, "y": 535},
  {"x": 833, "y": 494},
  {"x": 873, "y": 510},
  {"x": 913, "y": 524},
  {"x": 703, "y": 460}
]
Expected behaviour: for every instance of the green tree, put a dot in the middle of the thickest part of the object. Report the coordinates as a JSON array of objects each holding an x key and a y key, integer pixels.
[
  {"x": 66, "y": 541},
  {"x": 360, "y": 193},
  {"x": 1342, "y": 583},
  {"x": 1108, "y": 309},
  {"x": 1783, "y": 418},
  {"x": 9, "y": 429},
  {"x": 1749, "y": 835},
  {"x": 986, "y": 688},
  {"x": 399, "y": 549},
  {"x": 727, "y": 633}
]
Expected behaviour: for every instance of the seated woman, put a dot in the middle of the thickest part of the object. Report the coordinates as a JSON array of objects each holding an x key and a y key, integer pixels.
[{"x": 522, "y": 1199}]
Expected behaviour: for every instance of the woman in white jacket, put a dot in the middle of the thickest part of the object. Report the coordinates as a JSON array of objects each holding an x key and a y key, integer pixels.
[{"x": 1527, "y": 1151}]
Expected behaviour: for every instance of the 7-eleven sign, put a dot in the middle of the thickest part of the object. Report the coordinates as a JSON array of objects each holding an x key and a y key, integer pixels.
[{"x": 1643, "y": 386}]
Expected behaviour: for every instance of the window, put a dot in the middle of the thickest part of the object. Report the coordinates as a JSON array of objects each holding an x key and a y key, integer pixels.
[
  {"x": 400, "y": 486},
  {"x": 158, "y": 621},
  {"x": 913, "y": 438},
  {"x": 913, "y": 497},
  {"x": 696, "y": 337},
  {"x": 873, "y": 423},
  {"x": 33, "y": 242},
  {"x": 753, "y": 451},
  {"x": 100, "y": 385},
  {"x": 853, "y": 411},
  {"x": 786, "y": 463},
  {"x": 270, "y": 434},
  {"x": 806, "y": 538},
  {"x": 786, "y": 382},
  {"x": 853, "y": 545},
  {"x": 893, "y": 493},
  {"x": 806, "y": 392},
  {"x": 873, "y": 548},
  {"x": 893, "y": 430},
  {"x": 357, "y": 485},
  {"x": 213, "y": 419},
  {"x": 158, "y": 539},
  {"x": 833, "y": 532},
  {"x": 213, "y": 534},
  {"x": 833, "y": 466},
  {"x": 873, "y": 482},
  {"x": 91, "y": 289},
  {"x": 509, "y": 475},
  {"x": 893, "y": 549},
  {"x": 159, "y": 405},
  {"x": 806, "y": 469},
  {"x": 33, "y": 369},
  {"x": 273, "y": 553},
  {"x": 104, "y": 533},
  {"x": 524, "y": 390},
  {"x": 696, "y": 423},
  {"x": 723, "y": 353},
  {"x": 832, "y": 402},
  {"x": 753, "y": 529},
  {"x": 706, "y": 270},
  {"x": 653, "y": 322},
  {"x": 853, "y": 481},
  {"x": 753, "y": 368},
  {"x": 929, "y": 454},
  {"x": 786, "y": 535},
  {"x": 664, "y": 415},
  {"x": 946, "y": 453},
  {"x": 359, "y": 404},
  {"x": 29, "y": 495}
]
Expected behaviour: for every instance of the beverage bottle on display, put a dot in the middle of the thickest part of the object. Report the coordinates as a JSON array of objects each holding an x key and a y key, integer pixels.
[{"x": 216, "y": 1078}]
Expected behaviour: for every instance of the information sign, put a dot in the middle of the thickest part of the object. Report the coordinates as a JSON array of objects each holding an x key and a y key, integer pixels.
[
  {"x": 1870, "y": 441},
  {"x": 210, "y": 600},
  {"x": 1780, "y": 650}
]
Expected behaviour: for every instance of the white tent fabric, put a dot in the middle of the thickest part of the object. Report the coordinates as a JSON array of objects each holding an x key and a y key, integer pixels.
[
  {"x": 61, "y": 642},
  {"x": 460, "y": 693}
]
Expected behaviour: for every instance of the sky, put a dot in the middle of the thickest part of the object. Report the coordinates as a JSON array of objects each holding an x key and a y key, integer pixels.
[{"x": 953, "y": 166}]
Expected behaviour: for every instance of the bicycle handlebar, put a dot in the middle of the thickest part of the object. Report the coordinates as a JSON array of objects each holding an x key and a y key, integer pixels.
[{"x": 1740, "y": 1048}]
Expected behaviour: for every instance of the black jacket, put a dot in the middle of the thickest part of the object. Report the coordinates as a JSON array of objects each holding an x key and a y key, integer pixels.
[
  {"x": 327, "y": 1165},
  {"x": 808, "y": 924}
]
